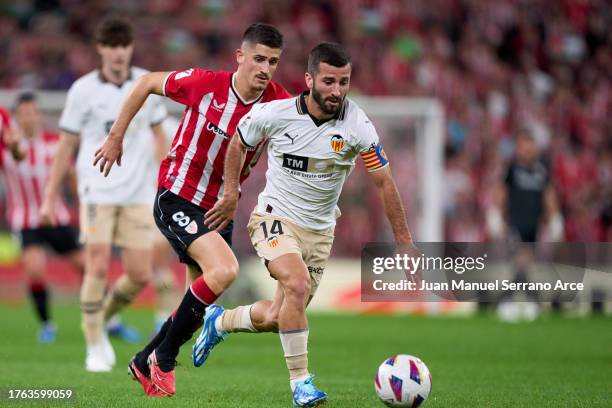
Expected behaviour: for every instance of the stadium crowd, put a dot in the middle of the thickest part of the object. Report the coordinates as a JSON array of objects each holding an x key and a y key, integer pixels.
[{"x": 499, "y": 68}]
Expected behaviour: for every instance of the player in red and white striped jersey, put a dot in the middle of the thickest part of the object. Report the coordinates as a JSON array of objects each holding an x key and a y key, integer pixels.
[
  {"x": 191, "y": 181},
  {"x": 25, "y": 175},
  {"x": 193, "y": 169}
]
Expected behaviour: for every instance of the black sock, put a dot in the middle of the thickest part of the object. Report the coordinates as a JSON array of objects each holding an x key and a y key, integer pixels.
[
  {"x": 141, "y": 357},
  {"x": 40, "y": 297},
  {"x": 187, "y": 320}
]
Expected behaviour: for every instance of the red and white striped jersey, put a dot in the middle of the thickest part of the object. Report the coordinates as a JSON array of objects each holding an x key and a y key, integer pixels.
[
  {"x": 193, "y": 168},
  {"x": 5, "y": 122},
  {"x": 25, "y": 182}
]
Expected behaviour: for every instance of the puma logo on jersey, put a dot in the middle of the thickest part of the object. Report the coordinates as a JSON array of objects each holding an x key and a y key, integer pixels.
[
  {"x": 218, "y": 106},
  {"x": 290, "y": 138}
]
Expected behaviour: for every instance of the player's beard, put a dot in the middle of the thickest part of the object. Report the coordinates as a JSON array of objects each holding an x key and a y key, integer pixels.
[{"x": 316, "y": 95}]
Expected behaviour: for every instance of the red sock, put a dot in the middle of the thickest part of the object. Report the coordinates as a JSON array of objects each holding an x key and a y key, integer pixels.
[{"x": 202, "y": 292}]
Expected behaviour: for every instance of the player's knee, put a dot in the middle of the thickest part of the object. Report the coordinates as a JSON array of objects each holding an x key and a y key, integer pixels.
[
  {"x": 99, "y": 269},
  {"x": 225, "y": 273},
  {"x": 77, "y": 260},
  {"x": 163, "y": 280},
  {"x": 97, "y": 262},
  {"x": 141, "y": 279},
  {"x": 298, "y": 288},
  {"x": 140, "y": 274},
  {"x": 33, "y": 261},
  {"x": 33, "y": 267}
]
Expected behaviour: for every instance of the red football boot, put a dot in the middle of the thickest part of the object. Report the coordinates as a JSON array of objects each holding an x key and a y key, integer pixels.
[{"x": 164, "y": 382}]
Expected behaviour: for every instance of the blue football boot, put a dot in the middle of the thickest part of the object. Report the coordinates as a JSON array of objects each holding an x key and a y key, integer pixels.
[
  {"x": 124, "y": 332},
  {"x": 307, "y": 395},
  {"x": 47, "y": 333},
  {"x": 209, "y": 337}
]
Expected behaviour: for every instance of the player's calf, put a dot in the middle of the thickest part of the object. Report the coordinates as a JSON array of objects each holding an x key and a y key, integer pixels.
[
  {"x": 265, "y": 319},
  {"x": 123, "y": 292}
]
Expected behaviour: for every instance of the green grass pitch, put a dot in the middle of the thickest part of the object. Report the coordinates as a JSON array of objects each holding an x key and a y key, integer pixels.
[{"x": 475, "y": 362}]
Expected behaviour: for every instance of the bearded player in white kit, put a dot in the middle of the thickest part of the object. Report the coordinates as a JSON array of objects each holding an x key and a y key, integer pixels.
[{"x": 314, "y": 140}]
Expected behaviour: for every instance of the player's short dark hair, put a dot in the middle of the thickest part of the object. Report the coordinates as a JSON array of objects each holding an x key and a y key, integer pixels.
[
  {"x": 330, "y": 53},
  {"x": 265, "y": 34},
  {"x": 114, "y": 32},
  {"x": 24, "y": 97}
]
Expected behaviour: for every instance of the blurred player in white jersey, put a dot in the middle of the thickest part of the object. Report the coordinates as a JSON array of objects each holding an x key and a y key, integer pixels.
[
  {"x": 25, "y": 159},
  {"x": 116, "y": 210},
  {"x": 314, "y": 140}
]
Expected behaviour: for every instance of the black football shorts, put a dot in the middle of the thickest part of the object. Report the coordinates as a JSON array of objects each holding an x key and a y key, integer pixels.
[{"x": 182, "y": 222}]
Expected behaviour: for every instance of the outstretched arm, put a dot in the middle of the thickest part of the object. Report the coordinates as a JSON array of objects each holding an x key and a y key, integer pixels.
[
  {"x": 223, "y": 211},
  {"x": 112, "y": 149},
  {"x": 392, "y": 202},
  {"x": 394, "y": 210}
]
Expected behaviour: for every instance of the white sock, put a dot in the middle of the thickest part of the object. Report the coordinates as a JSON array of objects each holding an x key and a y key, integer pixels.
[
  {"x": 245, "y": 320},
  {"x": 295, "y": 347},
  {"x": 218, "y": 321},
  {"x": 293, "y": 383},
  {"x": 235, "y": 320}
]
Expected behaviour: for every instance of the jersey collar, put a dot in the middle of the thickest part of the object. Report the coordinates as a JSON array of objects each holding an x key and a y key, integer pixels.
[
  {"x": 302, "y": 109},
  {"x": 242, "y": 101},
  {"x": 104, "y": 80}
]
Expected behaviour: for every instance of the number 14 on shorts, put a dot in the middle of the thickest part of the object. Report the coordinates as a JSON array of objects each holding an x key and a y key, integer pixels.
[{"x": 276, "y": 229}]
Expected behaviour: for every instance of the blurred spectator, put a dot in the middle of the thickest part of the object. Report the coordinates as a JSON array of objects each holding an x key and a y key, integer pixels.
[{"x": 528, "y": 199}]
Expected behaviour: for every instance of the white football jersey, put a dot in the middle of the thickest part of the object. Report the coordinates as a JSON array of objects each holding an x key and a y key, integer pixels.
[
  {"x": 92, "y": 106},
  {"x": 308, "y": 159}
]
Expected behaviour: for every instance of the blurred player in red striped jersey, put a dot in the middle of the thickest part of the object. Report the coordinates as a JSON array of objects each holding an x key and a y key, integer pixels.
[
  {"x": 25, "y": 159},
  {"x": 191, "y": 181}
]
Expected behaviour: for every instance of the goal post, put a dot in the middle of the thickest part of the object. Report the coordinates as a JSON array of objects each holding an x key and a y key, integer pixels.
[{"x": 429, "y": 134}]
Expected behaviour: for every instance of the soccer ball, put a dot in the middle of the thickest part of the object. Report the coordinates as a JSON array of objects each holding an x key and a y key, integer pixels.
[{"x": 403, "y": 381}]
